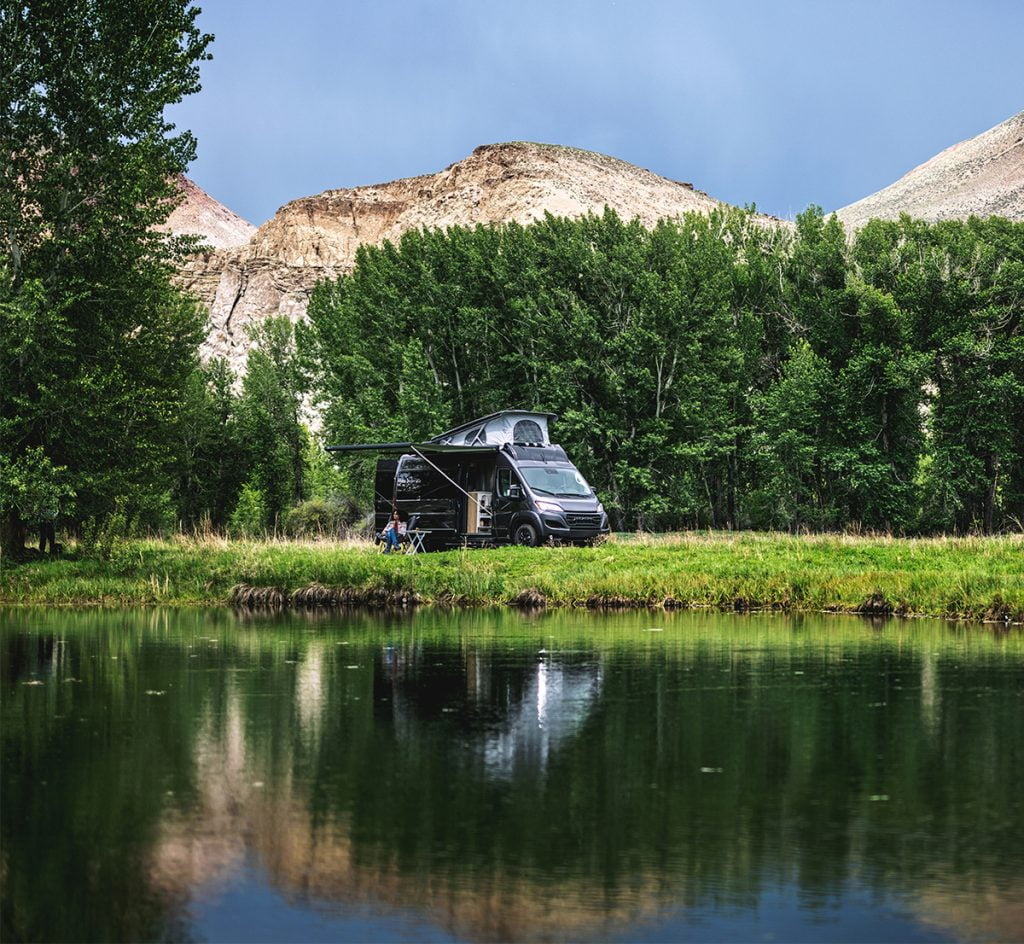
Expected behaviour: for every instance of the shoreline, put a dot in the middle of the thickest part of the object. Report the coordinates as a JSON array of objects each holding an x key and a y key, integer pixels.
[
  {"x": 975, "y": 578},
  {"x": 320, "y": 597}
]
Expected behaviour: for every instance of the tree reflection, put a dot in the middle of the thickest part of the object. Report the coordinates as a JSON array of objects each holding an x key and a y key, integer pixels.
[{"x": 509, "y": 780}]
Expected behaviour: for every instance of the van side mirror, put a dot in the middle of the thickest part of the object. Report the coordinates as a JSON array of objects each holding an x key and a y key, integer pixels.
[{"x": 515, "y": 491}]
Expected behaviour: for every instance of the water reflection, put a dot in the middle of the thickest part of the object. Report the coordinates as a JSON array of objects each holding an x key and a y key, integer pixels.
[
  {"x": 478, "y": 776},
  {"x": 556, "y": 702}
]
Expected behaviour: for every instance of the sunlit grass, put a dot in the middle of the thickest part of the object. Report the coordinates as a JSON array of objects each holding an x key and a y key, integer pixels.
[{"x": 971, "y": 577}]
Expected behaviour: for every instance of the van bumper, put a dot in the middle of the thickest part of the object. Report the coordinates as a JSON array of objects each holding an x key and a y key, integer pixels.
[{"x": 571, "y": 527}]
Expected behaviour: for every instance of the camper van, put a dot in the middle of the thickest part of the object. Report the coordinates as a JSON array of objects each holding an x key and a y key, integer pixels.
[{"x": 495, "y": 480}]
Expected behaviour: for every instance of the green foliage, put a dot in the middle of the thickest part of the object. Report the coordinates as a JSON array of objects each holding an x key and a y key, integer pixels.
[
  {"x": 709, "y": 372},
  {"x": 323, "y": 478},
  {"x": 97, "y": 344},
  {"x": 212, "y": 459},
  {"x": 103, "y": 538},
  {"x": 33, "y": 486},
  {"x": 792, "y": 445},
  {"x": 960, "y": 286},
  {"x": 879, "y": 387},
  {"x": 270, "y": 417},
  {"x": 130, "y": 517},
  {"x": 246, "y": 461},
  {"x": 250, "y": 515},
  {"x": 319, "y": 518}
]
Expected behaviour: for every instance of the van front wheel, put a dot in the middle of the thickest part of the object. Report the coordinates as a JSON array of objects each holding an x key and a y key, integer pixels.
[{"x": 526, "y": 535}]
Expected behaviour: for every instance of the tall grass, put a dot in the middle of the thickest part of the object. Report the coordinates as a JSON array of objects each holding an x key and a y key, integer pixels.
[{"x": 970, "y": 578}]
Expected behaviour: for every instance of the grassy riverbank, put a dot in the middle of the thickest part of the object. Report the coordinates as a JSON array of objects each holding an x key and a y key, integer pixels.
[{"x": 971, "y": 578}]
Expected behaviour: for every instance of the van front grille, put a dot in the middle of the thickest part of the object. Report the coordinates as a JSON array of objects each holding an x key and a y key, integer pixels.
[{"x": 583, "y": 519}]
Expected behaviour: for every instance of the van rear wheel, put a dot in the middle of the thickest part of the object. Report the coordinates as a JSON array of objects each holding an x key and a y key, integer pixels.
[{"x": 526, "y": 535}]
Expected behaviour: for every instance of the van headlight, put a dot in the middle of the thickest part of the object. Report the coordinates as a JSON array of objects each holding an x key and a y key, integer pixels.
[{"x": 548, "y": 506}]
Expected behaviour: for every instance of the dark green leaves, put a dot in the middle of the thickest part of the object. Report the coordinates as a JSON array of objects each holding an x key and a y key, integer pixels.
[
  {"x": 711, "y": 371},
  {"x": 97, "y": 344}
]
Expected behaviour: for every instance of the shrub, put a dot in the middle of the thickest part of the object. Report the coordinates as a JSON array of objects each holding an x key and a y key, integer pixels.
[
  {"x": 249, "y": 518},
  {"x": 317, "y": 518}
]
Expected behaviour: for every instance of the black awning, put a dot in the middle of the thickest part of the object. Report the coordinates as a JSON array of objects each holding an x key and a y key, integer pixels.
[{"x": 403, "y": 447}]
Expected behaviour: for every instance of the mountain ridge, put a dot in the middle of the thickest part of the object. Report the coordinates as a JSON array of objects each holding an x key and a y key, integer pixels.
[
  {"x": 980, "y": 176},
  {"x": 199, "y": 214},
  {"x": 250, "y": 273},
  {"x": 316, "y": 237}
]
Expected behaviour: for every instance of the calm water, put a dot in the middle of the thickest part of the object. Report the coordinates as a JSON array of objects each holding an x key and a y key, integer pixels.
[{"x": 486, "y": 776}]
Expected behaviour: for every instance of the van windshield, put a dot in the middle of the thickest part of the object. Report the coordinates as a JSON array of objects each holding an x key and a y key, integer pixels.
[{"x": 558, "y": 481}]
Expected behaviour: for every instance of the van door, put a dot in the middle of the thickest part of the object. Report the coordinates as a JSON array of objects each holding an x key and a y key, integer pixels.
[{"x": 505, "y": 506}]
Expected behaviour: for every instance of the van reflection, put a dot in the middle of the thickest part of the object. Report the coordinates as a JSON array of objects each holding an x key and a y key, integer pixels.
[
  {"x": 513, "y": 717},
  {"x": 552, "y": 710}
]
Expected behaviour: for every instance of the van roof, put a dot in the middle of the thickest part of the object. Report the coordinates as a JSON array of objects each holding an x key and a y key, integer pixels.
[
  {"x": 480, "y": 420},
  {"x": 498, "y": 427}
]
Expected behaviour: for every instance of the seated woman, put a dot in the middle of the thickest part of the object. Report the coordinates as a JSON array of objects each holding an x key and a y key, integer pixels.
[{"x": 393, "y": 533}]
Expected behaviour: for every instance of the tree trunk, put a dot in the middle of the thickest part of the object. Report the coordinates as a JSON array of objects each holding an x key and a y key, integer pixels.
[
  {"x": 12, "y": 535},
  {"x": 992, "y": 476}
]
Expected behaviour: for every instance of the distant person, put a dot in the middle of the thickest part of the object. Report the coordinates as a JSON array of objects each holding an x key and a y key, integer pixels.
[{"x": 394, "y": 533}]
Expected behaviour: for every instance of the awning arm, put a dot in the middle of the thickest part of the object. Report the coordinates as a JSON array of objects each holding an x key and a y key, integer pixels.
[
  {"x": 372, "y": 447},
  {"x": 398, "y": 448},
  {"x": 445, "y": 474}
]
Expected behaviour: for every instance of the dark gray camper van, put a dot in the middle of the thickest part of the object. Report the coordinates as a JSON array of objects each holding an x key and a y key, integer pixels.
[{"x": 495, "y": 480}]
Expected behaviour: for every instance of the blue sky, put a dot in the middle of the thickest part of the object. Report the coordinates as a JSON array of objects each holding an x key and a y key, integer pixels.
[{"x": 782, "y": 104}]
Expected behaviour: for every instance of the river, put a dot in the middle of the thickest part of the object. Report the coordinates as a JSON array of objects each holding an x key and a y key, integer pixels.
[{"x": 494, "y": 776}]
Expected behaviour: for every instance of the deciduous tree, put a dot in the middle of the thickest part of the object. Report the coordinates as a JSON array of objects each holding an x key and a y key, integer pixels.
[{"x": 97, "y": 343}]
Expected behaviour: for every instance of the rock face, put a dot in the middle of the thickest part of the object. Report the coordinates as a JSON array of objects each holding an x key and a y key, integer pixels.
[
  {"x": 250, "y": 274},
  {"x": 199, "y": 214},
  {"x": 316, "y": 237},
  {"x": 983, "y": 176}
]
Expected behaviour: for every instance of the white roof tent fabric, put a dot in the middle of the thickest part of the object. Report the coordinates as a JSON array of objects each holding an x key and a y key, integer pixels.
[
  {"x": 509, "y": 426},
  {"x": 485, "y": 434}
]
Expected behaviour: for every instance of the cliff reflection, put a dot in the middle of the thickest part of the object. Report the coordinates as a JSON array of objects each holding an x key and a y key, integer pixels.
[
  {"x": 568, "y": 778},
  {"x": 324, "y": 835}
]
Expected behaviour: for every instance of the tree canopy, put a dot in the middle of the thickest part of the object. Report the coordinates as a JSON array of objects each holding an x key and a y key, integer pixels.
[
  {"x": 96, "y": 343},
  {"x": 711, "y": 371}
]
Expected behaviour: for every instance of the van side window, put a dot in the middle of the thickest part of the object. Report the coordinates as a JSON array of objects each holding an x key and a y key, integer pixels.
[
  {"x": 415, "y": 479},
  {"x": 504, "y": 482}
]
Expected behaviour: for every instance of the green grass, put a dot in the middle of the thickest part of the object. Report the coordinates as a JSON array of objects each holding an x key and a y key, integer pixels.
[{"x": 968, "y": 578}]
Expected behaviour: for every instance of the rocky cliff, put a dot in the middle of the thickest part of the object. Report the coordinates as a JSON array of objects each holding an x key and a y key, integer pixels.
[
  {"x": 316, "y": 237},
  {"x": 199, "y": 214},
  {"x": 250, "y": 274},
  {"x": 983, "y": 176}
]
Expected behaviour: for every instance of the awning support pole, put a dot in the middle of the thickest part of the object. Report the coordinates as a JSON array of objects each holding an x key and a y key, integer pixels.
[{"x": 445, "y": 474}]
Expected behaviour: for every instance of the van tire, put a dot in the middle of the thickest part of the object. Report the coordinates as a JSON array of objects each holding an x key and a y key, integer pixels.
[{"x": 525, "y": 535}]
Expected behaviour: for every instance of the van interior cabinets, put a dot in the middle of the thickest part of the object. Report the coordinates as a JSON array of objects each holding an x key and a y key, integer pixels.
[{"x": 478, "y": 513}]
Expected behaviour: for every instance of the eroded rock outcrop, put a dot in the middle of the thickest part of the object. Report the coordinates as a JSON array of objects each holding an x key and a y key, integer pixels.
[{"x": 316, "y": 237}]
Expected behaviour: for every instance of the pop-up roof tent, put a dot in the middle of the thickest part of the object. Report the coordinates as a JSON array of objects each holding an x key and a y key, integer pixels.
[
  {"x": 508, "y": 426},
  {"x": 485, "y": 434}
]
